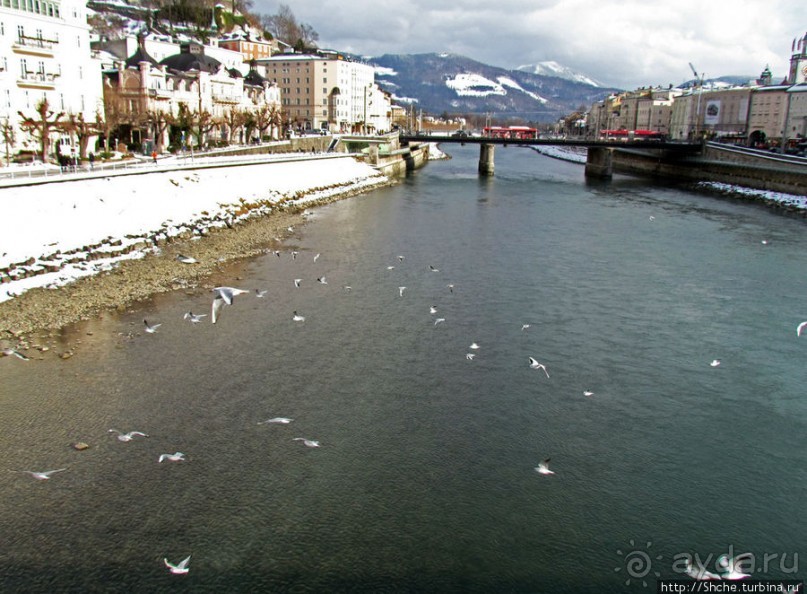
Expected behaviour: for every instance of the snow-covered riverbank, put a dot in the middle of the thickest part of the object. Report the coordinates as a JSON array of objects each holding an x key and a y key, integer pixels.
[{"x": 56, "y": 233}]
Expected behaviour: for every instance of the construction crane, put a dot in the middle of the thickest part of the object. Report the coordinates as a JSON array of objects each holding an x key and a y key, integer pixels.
[{"x": 698, "y": 108}]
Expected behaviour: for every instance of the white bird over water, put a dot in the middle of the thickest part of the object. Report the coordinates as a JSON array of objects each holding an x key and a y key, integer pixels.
[
  {"x": 588, "y": 393},
  {"x": 276, "y": 420},
  {"x": 261, "y": 293},
  {"x": 390, "y": 267},
  {"x": 322, "y": 280},
  {"x": 401, "y": 258},
  {"x": 180, "y": 568},
  {"x": 433, "y": 269},
  {"x": 474, "y": 346},
  {"x": 297, "y": 282},
  {"x": 543, "y": 467},
  {"x": 224, "y": 295},
  {"x": 439, "y": 321},
  {"x": 175, "y": 457},
  {"x": 194, "y": 318},
  {"x": 127, "y": 436},
  {"x": 800, "y": 328},
  {"x": 433, "y": 309},
  {"x": 401, "y": 290},
  {"x": 297, "y": 317},
  {"x": 732, "y": 567},
  {"x": 535, "y": 365},
  {"x": 316, "y": 257},
  {"x": 151, "y": 329},
  {"x": 715, "y": 363},
  {"x": 470, "y": 356},
  {"x": 40, "y": 475},
  {"x": 525, "y": 326},
  {"x": 698, "y": 572},
  {"x": 311, "y": 443},
  {"x": 14, "y": 353}
]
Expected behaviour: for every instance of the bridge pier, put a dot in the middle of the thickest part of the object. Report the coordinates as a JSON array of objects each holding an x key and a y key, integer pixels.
[
  {"x": 486, "y": 159},
  {"x": 599, "y": 162}
]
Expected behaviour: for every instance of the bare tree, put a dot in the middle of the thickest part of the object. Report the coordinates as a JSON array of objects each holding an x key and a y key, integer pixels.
[
  {"x": 205, "y": 122},
  {"x": 159, "y": 121},
  {"x": 234, "y": 119},
  {"x": 9, "y": 135},
  {"x": 261, "y": 119},
  {"x": 41, "y": 126},
  {"x": 75, "y": 124},
  {"x": 284, "y": 26}
]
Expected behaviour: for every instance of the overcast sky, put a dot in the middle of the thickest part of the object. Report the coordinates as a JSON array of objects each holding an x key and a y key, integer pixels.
[{"x": 622, "y": 43}]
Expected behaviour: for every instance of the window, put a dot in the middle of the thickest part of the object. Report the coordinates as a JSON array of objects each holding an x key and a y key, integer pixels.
[
  {"x": 23, "y": 67},
  {"x": 20, "y": 31}
]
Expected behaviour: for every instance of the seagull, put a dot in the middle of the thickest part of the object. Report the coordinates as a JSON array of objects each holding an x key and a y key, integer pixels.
[
  {"x": 652, "y": 218},
  {"x": 348, "y": 288},
  {"x": 470, "y": 356},
  {"x": 180, "y": 568},
  {"x": 535, "y": 365},
  {"x": 525, "y": 326},
  {"x": 297, "y": 282},
  {"x": 322, "y": 280},
  {"x": 764, "y": 242},
  {"x": 800, "y": 328},
  {"x": 277, "y": 253},
  {"x": 309, "y": 442},
  {"x": 588, "y": 393},
  {"x": 293, "y": 254},
  {"x": 228, "y": 293},
  {"x": 401, "y": 290},
  {"x": 474, "y": 346},
  {"x": 261, "y": 293},
  {"x": 433, "y": 309},
  {"x": 698, "y": 572},
  {"x": 401, "y": 258},
  {"x": 14, "y": 353},
  {"x": 176, "y": 457},
  {"x": 186, "y": 259},
  {"x": 732, "y": 567},
  {"x": 450, "y": 288},
  {"x": 224, "y": 295},
  {"x": 433, "y": 269},
  {"x": 715, "y": 363},
  {"x": 543, "y": 467},
  {"x": 194, "y": 318},
  {"x": 439, "y": 321},
  {"x": 297, "y": 317},
  {"x": 316, "y": 257},
  {"x": 40, "y": 476},
  {"x": 127, "y": 436},
  {"x": 151, "y": 329},
  {"x": 390, "y": 267},
  {"x": 276, "y": 420}
]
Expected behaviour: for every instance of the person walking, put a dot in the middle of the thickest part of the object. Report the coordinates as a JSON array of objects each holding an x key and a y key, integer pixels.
[
  {"x": 154, "y": 156},
  {"x": 92, "y": 161}
]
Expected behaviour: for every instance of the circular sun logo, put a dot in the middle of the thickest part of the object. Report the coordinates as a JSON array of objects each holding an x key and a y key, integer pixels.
[{"x": 637, "y": 563}]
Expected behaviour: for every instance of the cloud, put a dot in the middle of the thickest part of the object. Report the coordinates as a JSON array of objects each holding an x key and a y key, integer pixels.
[{"x": 624, "y": 43}]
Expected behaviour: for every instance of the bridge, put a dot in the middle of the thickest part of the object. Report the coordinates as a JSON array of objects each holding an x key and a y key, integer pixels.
[{"x": 600, "y": 152}]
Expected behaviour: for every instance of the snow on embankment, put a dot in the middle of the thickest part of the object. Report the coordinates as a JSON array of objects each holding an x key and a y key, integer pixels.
[{"x": 58, "y": 232}]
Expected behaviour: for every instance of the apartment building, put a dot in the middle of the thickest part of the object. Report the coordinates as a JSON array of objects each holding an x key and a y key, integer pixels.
[
  {"x": 45, "y": 54},
  {"x": 325, "y": 90}
]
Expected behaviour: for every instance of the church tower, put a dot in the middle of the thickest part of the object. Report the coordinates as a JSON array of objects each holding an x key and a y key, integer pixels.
[{"x": 798, "y": 62}]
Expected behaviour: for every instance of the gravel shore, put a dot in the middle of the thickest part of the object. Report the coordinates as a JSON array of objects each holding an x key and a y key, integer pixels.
[{"x": 32, "y": 320}]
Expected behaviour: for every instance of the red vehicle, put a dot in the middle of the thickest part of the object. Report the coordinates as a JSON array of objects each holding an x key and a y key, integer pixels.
[
  {"x": 514, "y": 132},
  {"x": 631, "y": 135}
]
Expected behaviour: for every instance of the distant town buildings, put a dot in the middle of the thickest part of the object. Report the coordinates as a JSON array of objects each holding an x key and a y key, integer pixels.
[{"x": 763, "y": 113}]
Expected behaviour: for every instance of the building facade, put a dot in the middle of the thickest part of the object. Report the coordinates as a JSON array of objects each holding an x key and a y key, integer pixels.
[{"x": 45, "y": 54}]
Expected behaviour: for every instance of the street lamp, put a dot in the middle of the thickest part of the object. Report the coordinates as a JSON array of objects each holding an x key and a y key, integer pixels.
[{"x": 700, "y": 92}]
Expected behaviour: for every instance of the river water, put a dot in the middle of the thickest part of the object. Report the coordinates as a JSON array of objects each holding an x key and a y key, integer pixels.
[{"x": 425, "y": 479}]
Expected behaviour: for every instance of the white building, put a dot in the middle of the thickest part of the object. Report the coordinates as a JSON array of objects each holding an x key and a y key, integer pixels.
[{"x": 45, "y": 54}]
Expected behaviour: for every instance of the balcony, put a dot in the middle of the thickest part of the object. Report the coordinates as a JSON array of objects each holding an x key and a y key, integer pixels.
[
  {"x": 228, "y": 99},
  {"x": 37, "y": 80},
  {"x": 35, "y": 46},
  {"x": 160, "y": 94}
]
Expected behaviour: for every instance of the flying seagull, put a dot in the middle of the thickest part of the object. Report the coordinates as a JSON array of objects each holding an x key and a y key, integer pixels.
[
  {"x": 588, "y": 393},
  {"x": 525, "y": 326},
  {"x": 698, "y": 572},
  {"x": 733, "y": 566},
  {"x": 433, "y": 309},
  {"x": 400, "y": 291},
  {"x": 40, "y": 476},
  {"x": 224, "y": 295},
  {"x": 14, "y": 353},
  {"x": 308, "y": 442},
  {"x": 470, "y": 356},
  {"x": 439, "y": 321},
  {"x": 176, "y": 457},
  {"x": 297, "y": 317},
  {"x": 151, "y": 329},
  {"x": 450, "y": 288},
  {"x": 322, "y": 280},
  {"x": 715, "y": 363},
  {"x": 127, "y": 436},
  {"x": 433, "y": 269},
  {"x": 194, "y": 318},
  {"x": 800, "y": 328},
  {"x": 180, "y": 568},
  {"x": 535, "y": 365},
  {"x": 474, "y": 346},
  {"x": 401, "y": 258},
  {"x": 186, "y": 259},
  {"x": 297, "y": 282},
  {"x": 543, "y": 467},
  {"x": 261, "y": 293},
  {"x": 276, "y": 420},
  {"x": 316, "y": 257}
]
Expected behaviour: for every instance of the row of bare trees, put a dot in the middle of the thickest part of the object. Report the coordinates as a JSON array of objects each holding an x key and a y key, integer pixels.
[{"x": 198, "y": 123}]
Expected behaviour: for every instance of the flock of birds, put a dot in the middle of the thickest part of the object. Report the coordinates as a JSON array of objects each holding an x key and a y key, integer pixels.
[{"x": 729, "y": 568}]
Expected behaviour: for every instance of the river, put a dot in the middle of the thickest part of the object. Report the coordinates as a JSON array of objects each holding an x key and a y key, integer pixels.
[{"x": 425, "y": 480}]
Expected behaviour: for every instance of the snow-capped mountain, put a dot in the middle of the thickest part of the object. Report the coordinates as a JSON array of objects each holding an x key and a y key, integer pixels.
[
  {"x": 552, "y": 68},
  {"x": 449, "y": 83}
]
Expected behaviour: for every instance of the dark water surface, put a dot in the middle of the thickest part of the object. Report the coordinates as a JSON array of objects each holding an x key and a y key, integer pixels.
[{"x": 425, "y": 480}]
